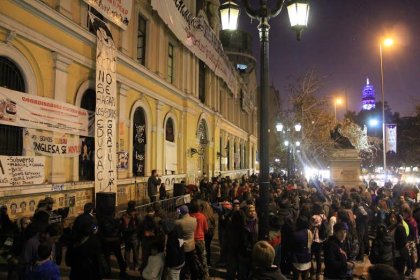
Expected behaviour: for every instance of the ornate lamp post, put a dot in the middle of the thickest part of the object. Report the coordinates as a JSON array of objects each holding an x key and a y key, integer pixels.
[
  {"x": 292, "y": 147},
  {"x": 298, "y": 13}
]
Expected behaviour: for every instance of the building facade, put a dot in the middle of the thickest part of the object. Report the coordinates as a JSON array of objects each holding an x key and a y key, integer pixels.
[{"x": 175, "y": 114}]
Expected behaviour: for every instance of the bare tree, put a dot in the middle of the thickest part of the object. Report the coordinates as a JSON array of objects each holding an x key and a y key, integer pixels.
[{"x": 311, "y": 111}]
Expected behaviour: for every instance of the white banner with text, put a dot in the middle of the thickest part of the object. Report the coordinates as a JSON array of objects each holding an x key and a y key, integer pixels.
[
  {"x": 19, "y": 170},
  {"x": 391, "y": 138},
  {"x": 117, "y": 11},
  {"x": 196, "y": 34},
  {"x": 31, "y": 111},
  {"x": 106, "y": 109},
  {"x": 51, "y": 143}
]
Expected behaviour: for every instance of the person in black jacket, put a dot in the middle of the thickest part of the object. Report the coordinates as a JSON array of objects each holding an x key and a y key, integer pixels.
[
  {"x": 397, "y": 230},
  {"x": 337, "y": 265},
  {"x": 83, "y": 256},
  {"x": 152, "y": 185},
  {"x": 262, "y": 259},
  {"x": 109, "y": 228},
  {"x": 383, "y": 247},
  {"x": 175, "y": 255}
]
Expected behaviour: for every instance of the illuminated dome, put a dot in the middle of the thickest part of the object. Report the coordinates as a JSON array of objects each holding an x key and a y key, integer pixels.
[{"x": 368, "y": 96}]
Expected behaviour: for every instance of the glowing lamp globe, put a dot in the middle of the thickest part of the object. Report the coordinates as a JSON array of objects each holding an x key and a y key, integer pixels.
[
  {"x": 298, "y": 11},
  {"x": 229, "y": 13}
]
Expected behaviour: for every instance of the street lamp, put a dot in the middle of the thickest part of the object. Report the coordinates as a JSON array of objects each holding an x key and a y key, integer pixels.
[
  {"x": 298, "y": 11},
  {"x": 337, "y": 101},
  {"x": 387, "y": 42},
  {"x": 229, "y": 13},
  {"x": 291, "y": 146}
]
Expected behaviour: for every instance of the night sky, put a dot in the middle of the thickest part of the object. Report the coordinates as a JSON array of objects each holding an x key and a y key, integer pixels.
[{"x": 342, "y": 44}]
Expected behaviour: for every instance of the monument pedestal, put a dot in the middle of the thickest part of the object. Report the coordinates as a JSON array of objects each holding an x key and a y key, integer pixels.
[{"x": 345, "y": 168}]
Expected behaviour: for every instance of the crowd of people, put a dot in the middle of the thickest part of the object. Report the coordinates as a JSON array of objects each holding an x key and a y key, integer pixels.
[{"x": 316, "y": 230}]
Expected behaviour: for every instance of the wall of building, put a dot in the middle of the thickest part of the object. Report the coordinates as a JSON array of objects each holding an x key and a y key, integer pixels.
[{"x": 51, "y": 43}]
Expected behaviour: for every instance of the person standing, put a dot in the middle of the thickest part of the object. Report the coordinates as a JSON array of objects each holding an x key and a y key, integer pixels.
[
  {"x": 199, "y": 233},
  {"x": 262, "y": 259},
  {"x": 187, "y": 226},
  {"x": 152, "y": 185},
  {"x": 336, "y": 262}
]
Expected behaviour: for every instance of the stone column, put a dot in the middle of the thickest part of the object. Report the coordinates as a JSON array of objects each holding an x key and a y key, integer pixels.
[
  {"x": 159, "y": 138},
  {"x": 58, "y": 164},
  {"x": 123, "y": 127}
]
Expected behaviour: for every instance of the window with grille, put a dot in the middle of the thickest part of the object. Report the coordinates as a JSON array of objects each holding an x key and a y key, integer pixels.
[
  {"x": 139, "y": 142},
  {"x": 170, "y": 63},
  {"x": 141, "y": 40},
  {"x": 169, "y": 131},
  {"x": 11, "y": 137}
]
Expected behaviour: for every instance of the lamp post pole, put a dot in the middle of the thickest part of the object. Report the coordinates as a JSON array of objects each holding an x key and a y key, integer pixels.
[
  {"x": 383, "y": 111},
  {"x": 263, "y": 14}
]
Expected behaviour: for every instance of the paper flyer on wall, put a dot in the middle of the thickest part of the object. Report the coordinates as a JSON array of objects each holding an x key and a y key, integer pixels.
[{"x": 21, "y": 170}]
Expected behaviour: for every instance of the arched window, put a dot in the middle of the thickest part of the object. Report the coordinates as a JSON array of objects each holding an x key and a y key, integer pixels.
[
  {"x": 169, "y": 130},
  {"x": 86, "y": 158},
  {"x": 171, "y": 153},
  {"x": 10, "y": 75},
  {"x": 11, "y": 137},
  {"x": 139, "y": 142}
]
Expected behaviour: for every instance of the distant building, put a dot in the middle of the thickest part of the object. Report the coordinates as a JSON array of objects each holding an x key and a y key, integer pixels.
[{"x": 368, "y": 96}]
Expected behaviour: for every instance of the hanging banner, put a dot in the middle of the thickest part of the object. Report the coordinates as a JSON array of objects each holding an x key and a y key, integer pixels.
[
  {"x": 18, "y": 171},
  {"x": 139, "y": 148},
  {"x": 196, "y": 34},
  {"x": 106, "y": 109},
  {"x": 26, "y": 110},
  {"x": 391, "y": 138},
  {"x": 117, "y": 11},
  {"x": 51, "y": 144}
]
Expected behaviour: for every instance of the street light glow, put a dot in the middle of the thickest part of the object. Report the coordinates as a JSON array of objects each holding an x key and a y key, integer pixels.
[
  {"x": 229, "y": 13},
  {"x": 373, "y": 122},
  {"x": 279, "y": 127},
  {"x": 286, "y": 143},
  {"x": 388, "y": 42},
  {"x": 338, "y": 101},
  {"x": 298, "y": 127},
  {"x": 297, "y": 143}
]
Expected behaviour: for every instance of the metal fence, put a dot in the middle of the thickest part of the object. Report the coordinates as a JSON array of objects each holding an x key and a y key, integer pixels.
[{"x": 168, "y": 205}]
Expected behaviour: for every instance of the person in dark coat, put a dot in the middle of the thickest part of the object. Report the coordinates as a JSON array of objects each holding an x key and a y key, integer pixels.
[
  {"x": 110, "y": 232},
  {"x": 83, "y": 256},
  {"x": 397, "y": 231},
  {"x": 262, "y": 259},
  {"x": 383, "y": 247},
  {"x": 175, "y": 256},
  {"x": 152, "y": 186},
  {"x": 238, "y": 246},
  {"x": 301, "y": 249},
  {"x": 337, "y": 265},
  {"x": 84, "y": 220}
]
